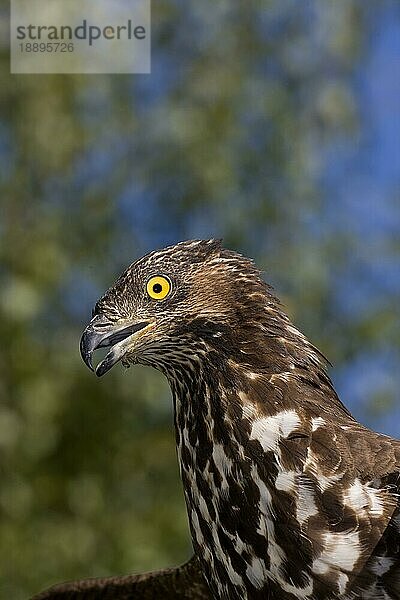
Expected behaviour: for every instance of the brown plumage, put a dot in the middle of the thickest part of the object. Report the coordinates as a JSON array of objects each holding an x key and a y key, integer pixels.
[
  {"x": 183, "y": 583},
  {"x": 287, "y": 495}
]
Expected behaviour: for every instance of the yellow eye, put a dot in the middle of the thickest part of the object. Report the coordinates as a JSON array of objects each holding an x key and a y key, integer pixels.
[{"x": 158, "y": 287}]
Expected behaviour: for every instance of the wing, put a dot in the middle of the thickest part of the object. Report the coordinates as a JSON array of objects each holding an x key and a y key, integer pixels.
[
  {"x": 355, "y": 474},
  {"x": 335, "y": 485},
  {"x": 332, "y": 503},
  {"x": 182, "y": 583}
]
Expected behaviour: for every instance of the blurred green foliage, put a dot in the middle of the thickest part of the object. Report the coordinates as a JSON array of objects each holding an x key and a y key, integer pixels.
[{"x": 229, "y": 136}]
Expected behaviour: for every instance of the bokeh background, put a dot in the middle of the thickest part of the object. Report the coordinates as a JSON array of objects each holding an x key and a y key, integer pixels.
[{"x": 274, "y": 125}]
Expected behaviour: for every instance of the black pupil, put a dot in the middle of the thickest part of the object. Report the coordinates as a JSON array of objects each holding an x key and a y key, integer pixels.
[{"x": 157, "y": 288}]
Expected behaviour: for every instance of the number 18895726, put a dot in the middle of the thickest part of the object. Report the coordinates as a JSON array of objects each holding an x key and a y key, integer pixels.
[{"x": 46, "y": 47}]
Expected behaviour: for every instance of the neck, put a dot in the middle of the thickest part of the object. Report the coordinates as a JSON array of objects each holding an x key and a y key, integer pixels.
[
  {"x": 218, "y": 402},
  {"x": 234, "y": 373}
]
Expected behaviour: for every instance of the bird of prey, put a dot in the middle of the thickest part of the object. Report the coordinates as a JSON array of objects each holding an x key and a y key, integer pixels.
[{"x": 288, "y": 496}]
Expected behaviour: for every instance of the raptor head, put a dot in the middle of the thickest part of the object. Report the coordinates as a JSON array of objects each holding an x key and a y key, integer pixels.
[{"x": 174, "y": 301}]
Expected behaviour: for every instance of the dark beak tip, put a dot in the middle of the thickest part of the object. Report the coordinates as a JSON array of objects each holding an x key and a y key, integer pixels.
[
  {"x": 99, "y": 373},
  {"x": 86, "y": 352},
  {"x": 90, "y": 341},
  {"x": 105, "y": 365}
]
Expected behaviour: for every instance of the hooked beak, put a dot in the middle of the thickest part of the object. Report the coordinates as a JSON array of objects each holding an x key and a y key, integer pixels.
[{"x": 100, "y": 333}]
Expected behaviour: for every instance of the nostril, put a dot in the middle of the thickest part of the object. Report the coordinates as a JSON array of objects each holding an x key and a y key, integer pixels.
[
  {"x": 102, "y": 326},
  {"x": 101, "y": 323}
]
